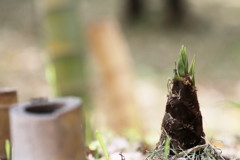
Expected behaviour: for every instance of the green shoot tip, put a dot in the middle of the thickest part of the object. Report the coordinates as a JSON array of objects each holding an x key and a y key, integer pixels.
[
  {"x": 182, "y": 69},
  {"x": 182, "y": 65}
]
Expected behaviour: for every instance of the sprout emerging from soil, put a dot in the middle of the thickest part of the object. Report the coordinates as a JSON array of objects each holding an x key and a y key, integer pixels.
[
  {"x": 182, "y": 135},
  {"x": 182, "y": 122}
]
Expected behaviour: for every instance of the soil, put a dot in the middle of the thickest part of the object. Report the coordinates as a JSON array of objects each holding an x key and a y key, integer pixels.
[{"x": 182, "y": 121}]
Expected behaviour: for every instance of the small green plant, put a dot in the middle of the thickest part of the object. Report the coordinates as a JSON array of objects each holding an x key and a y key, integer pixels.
[
  {"x": 8, "y": 149},
  {"x": 102, "y": 144}
]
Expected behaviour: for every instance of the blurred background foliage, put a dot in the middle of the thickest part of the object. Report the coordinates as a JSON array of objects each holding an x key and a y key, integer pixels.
[{"x": 145, "y": 36}]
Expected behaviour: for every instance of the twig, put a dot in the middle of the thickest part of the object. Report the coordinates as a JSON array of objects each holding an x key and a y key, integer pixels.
[{"x": 122, "y": 156}]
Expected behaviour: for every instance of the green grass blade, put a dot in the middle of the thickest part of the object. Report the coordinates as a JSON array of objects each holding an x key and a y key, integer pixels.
[
  {"x": 102, "y": 144},
  {"x": 8, "y": 149},
  {"x": 166, "y": 148}
]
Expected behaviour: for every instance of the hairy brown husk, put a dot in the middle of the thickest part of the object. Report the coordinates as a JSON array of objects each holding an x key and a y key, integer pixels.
[{"x": 182, "y": 121}]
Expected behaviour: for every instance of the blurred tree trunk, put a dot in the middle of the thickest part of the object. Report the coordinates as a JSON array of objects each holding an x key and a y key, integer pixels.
[{"x": 112, "y": 55}]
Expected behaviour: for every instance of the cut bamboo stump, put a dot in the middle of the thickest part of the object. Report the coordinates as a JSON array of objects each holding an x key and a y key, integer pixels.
[
  {"x": 7, "y": 98},
  {"x": 48, "y": 130}
]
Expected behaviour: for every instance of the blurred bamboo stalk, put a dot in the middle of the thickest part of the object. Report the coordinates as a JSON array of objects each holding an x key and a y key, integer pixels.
[
  {"x": 66, "y": 68},
  {"x": 111, "y": 52},
  {"x": 7, "y": 98}
]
